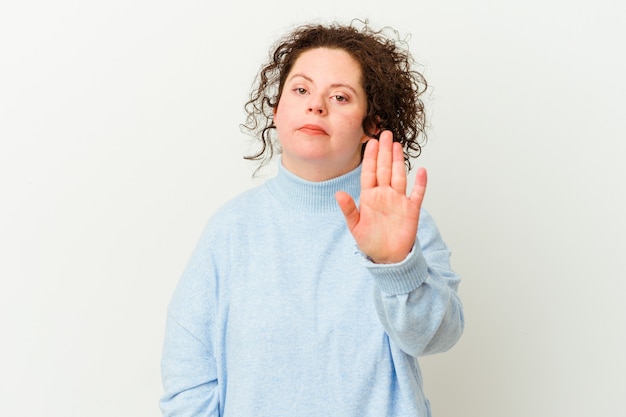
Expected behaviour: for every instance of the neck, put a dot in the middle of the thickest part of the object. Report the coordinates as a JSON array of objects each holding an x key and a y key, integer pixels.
[
  {"x": 318, "y": 172},
  {"x": 313, "y": 196}
]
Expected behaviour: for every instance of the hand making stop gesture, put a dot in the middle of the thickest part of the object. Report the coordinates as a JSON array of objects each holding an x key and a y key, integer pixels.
[{"x": 385, "y": 223}]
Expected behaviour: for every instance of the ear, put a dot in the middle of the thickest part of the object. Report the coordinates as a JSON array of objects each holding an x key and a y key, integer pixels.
[{"x": 372, "y": 128}]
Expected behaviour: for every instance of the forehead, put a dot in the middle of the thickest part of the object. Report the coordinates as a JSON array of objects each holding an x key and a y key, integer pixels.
[{"x": 326, "y": 63}]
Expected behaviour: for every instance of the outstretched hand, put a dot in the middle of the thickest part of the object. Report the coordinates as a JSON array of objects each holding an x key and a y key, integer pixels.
[{"x": 385, "y": 223}]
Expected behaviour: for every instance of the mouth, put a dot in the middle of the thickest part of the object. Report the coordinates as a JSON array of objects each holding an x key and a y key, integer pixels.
[{"x": 313, "y": 130}]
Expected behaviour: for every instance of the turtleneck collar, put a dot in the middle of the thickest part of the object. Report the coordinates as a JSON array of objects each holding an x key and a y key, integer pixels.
[{"x": 313, "y": 197}]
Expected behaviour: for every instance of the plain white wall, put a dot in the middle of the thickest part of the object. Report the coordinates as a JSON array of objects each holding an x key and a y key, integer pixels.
[{"x": 119, "y": 136}]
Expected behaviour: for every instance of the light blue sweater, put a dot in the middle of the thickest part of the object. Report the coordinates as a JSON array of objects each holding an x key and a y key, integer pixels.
[{"x": 278, "y": 313}]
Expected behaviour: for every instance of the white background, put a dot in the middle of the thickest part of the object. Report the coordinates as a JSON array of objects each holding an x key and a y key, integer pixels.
[{"x": 119, "y": 136}]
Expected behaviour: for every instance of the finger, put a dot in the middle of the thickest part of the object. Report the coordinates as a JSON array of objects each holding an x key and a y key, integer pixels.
[
  {"x": 398, "y": 171},
  {"x": 348, "y": 208},
  {"x": 368, "y": 169},
  {"x": 419, "y": 188},
  {"x": 385, "y": 158}
]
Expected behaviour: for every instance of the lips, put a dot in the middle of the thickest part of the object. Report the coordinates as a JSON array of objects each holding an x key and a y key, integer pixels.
[{"x": 312, "y": 130}]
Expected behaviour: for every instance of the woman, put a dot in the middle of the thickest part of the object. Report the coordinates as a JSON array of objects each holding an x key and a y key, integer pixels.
[{"x": 296, "y": 300}]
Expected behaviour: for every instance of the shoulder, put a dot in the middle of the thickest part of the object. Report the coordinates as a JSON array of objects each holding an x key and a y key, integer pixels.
[
  {"x": 243, "y": 202},
  {"x": 426, "y": 222},
  {"x": 428, "y": 232},
  {"x": 240, "y": 210}
]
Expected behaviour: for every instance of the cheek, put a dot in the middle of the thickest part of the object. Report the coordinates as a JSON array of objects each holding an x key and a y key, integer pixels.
[
  {"x": 356, "y": 125},
  {"x": 279, "y": 114}
]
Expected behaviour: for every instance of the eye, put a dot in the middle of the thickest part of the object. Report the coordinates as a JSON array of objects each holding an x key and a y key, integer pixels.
[
  {"x": 339, "y": 98},
  {"x": 300, "y": 90}
]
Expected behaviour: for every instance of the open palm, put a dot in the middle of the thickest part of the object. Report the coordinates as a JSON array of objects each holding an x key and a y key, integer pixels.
[{"x": 385, "y": 223}]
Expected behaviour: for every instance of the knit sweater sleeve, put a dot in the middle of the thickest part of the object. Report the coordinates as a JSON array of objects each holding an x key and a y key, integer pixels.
[
  {"x": 188, "y": 365},
  {"x": 416, "y": 299}
]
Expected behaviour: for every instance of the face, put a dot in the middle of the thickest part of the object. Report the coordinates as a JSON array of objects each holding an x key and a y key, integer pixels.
[{"x": 320, "y": 114}]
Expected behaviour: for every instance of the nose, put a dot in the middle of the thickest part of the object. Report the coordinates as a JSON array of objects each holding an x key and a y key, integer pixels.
[{"x": 316, "y": 105}]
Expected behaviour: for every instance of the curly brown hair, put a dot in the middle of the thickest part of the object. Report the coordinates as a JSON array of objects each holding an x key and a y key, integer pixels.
[{"x": 392, "y": 86}]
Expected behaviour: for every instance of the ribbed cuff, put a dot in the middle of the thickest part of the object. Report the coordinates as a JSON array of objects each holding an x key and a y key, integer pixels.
[{"x": 402, "y": 277}]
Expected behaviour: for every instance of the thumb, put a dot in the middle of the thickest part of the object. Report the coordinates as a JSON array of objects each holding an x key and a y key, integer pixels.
[
  {"x": 419, "y": 188},
  {"x": 348, "y": 208}
]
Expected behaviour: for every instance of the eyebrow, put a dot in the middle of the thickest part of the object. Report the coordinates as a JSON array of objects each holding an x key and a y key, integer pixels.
[{"x": 333, "y": 85}]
